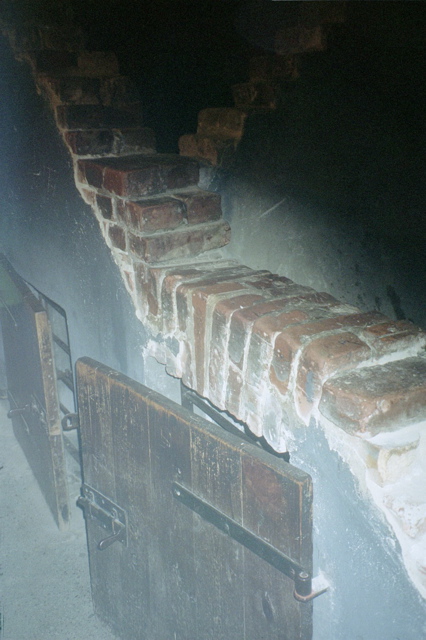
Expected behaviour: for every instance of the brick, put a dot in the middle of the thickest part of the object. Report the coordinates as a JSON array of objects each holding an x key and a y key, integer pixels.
[
  {"x": 322, "y": 358},
  {"x": 202, "y": 299},
  {"x": 180, "y": 243},
  {"x": 216, "y": 151},
  {"x": 105, "y": 207},
  {"x": 152, "y": 214},
  {"x": 289, "y": 341},
  {"x": 90, "y": 142},
  {"x": 184, "y": 291},
  {"x": 134, "y": 140},
  {"x": 221, "y": 123},
  {"x": 118, "y": 91},
  {"x": 71, "y": 90},
  {"x": 218, "y": 361},
  {"x": 380, "y": 398},
  {"x": 242, "y": 320},
  {"x": 390, "y": 337},
  {"x": 255, "y": 95},
  {"x": 139, "y": 175},
  {"x": 91, "y": 116},
  {"x": 117, "y": 237},
  {"x": 200, "y": 206}
]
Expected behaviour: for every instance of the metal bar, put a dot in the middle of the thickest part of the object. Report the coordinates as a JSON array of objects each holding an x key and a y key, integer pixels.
[
  {"x": 61, "y": 344},
  {"x": 2, "y": 300},
  {"x": 189, "y": 398},
  {"x": 66, "y": 378},
  {"x": 260, "y": 547}
]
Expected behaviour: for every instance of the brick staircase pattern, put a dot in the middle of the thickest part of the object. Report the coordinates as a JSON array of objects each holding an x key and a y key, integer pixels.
[{"x": 272, "y": 353}]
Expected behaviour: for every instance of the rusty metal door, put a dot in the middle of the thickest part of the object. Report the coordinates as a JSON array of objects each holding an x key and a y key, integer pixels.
[
  {"x": 30, "y": 372},
  {"x": 191, "y": 530}
]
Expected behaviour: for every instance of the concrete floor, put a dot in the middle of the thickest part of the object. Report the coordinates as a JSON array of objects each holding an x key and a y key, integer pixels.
[{"x": 44, "y": 575}]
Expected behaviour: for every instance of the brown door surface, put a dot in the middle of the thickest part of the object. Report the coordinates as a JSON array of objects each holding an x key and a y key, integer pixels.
[
  {"x": 30, "y": 372},
  {"x": 185, "y": 521}
]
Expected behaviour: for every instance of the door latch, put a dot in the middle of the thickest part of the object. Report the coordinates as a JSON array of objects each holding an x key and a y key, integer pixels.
[{"x": 108, "y": 514}]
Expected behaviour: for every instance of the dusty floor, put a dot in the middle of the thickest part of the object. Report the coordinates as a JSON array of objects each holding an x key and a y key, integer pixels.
[{"x": 44, "y": 576}]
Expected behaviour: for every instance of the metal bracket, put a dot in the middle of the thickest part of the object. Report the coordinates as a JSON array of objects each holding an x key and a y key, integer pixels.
[
  {"x": 108, "y": 514},
  {"x": 70, "y": 421},
  {"x": 302, "y": 579}
]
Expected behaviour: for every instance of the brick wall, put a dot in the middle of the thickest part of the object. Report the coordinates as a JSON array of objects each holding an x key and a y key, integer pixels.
[{"x": 277, "y": 355}]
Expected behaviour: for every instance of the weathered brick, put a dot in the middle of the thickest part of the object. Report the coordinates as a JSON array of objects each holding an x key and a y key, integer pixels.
[
  {"x": 390, "y": 337},
  {"x": 202, "y": 299},
  {"x": 200, "y": 206},
  {"x": 380, "y": 398},
  {"x": 242, "y": 320},
  {"x": 134, "y": 140},
  {"x": 140, "y": 175},
  {"x": 91, "y": 116},
  {"x": 322, "y": 358},
  {"x": 218, "y": 361},
  {"x": 184, "y": 291},
  {"x": 192, "y": 277},
  {"x": 254, "y": 95},
  {"x": 117, "y": 237},
  {"x": 221, "y": 122},
  {"x": 180, "y": 243},
  {"x": 216, "y": 151},
  {"x": 290, "y": 340},
  {"x": 71, "y": 90},
  {"x": 105, "y": 207},
  {"x": 234, "y": 386},
  {"x": 90, "y": 142},
  {"x": 152, "y": 214}
]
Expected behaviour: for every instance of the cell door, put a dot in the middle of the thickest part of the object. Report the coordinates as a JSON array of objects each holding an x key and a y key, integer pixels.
[
  {"x": 32, "y": 393},
  {"x": 193, "y": 533}
]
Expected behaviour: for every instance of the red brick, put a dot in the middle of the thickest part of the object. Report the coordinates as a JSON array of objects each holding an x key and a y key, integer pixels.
[
  {"x": 90, "y": 142},
  {"x": 117, "y": 237},
  {"x": 234, "y": 386},
  {"x": 379, "y": 398},
  {"x": 242, "y": 320},
  {"x": 216, "y": 151},
  {"x": 390, "y": 337},
  {"x": 184, "y": 292},
  {"x": 151, "y": 214},
  {"x": 289, "y": 341},
  {"x": 200, "y": 206},
  {"x": 140, "y": 175},
  {"x": 218, "y": 361},
  {"x": 261, "y": 348},
  {"x": 201, "y": 299},
  {"x": 322, "y": 358},
  {"x": 180, "y": 243},
  {"x": 191, "y": 278}
]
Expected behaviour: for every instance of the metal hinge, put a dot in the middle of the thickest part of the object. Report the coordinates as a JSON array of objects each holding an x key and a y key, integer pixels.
[
  {"x": 108, "y": 514},
  {"x": 303, "y": 588}
]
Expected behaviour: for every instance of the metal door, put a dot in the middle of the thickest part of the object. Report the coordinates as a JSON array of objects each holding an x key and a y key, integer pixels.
[
  {"x": 191, "y": 530},
  {"x": 30, "y": 371}
]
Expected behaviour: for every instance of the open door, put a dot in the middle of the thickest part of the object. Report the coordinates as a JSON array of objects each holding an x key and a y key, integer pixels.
[
  {"x": 31, "y": 383},
  {"x": 193, "y": 532}
]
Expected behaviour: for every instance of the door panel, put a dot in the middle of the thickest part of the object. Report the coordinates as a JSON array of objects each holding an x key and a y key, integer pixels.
[
  {"x": 31, "y": 385},
  {"x": 180, "y": 576}
]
